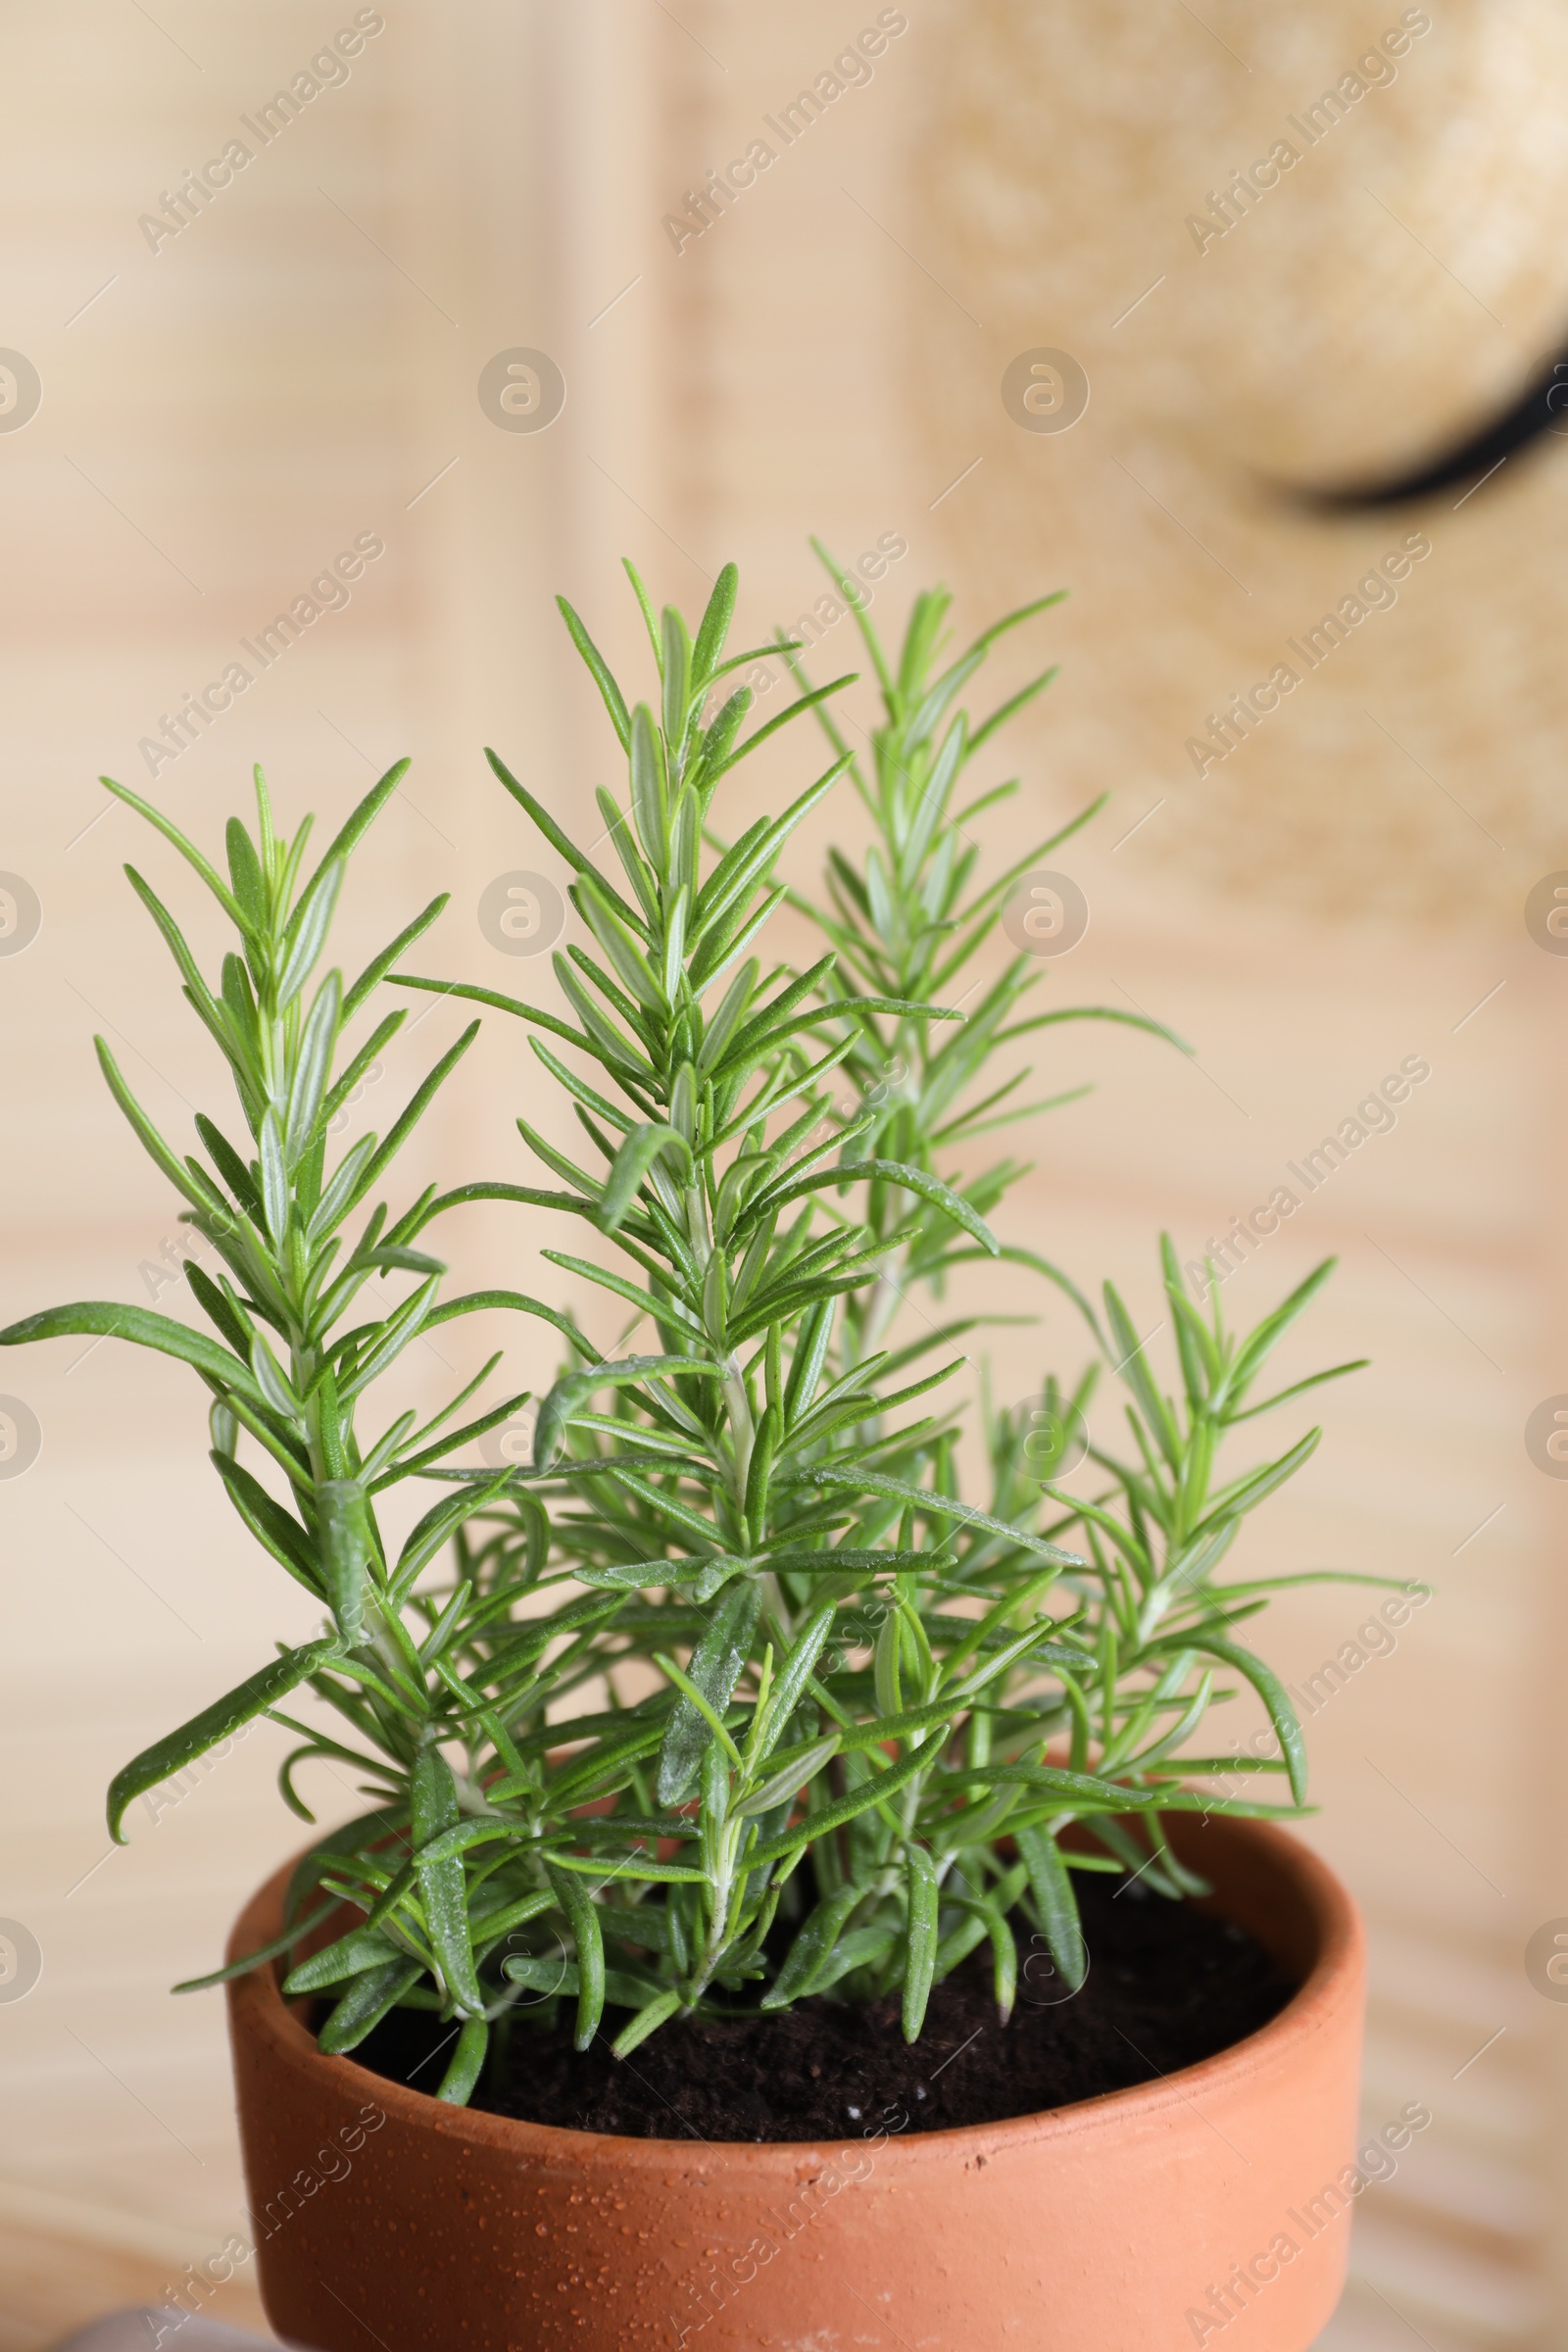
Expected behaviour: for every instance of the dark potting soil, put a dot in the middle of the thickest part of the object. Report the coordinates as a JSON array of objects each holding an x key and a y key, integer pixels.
[{"x": 1167, "y": 1985}]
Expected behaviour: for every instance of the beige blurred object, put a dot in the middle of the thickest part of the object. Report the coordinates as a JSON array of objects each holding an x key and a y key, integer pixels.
[
  {"x": 143, "y": 2331},
  {"x": 1396, "y": 287}
]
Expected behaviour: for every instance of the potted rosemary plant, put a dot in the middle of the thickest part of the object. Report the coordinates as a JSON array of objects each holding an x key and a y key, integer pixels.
[{"x": 746, "y": 1808}]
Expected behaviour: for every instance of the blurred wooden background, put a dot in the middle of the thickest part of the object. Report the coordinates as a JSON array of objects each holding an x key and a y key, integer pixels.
[{"x": 299, "y": 367}]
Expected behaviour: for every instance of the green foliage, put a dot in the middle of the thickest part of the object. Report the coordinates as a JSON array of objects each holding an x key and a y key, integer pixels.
[{"x": 729, "y": 1696}]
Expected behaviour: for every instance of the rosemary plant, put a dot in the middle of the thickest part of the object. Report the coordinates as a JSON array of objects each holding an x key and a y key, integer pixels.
[{"x": 729, "y": 1696}]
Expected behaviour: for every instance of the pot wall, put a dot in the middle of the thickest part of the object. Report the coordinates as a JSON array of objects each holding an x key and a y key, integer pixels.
[{"x": 382, "y": 2216}]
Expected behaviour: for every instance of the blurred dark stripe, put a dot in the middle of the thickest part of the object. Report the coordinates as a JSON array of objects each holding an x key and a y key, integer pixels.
[{"x": 1542, "y": 409}]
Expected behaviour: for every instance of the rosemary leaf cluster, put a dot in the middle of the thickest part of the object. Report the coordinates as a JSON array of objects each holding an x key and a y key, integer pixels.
[{"x": 729, "y": 1698}]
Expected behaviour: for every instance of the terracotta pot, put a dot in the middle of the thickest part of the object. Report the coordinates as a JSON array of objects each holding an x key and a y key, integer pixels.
[{"x": 1145, "y": 2220}]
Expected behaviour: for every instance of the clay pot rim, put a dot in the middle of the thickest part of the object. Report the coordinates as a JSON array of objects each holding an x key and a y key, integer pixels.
[{"x": 1334, "y": 1973}]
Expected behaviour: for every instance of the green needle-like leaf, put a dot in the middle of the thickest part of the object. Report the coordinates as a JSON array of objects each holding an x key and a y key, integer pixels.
[
  {"x": 1051, "y": 1884},
  {"x": 584, "y": 1915},
  {"x": 214, "y": 1723},
  {"x": 923, "y": 1893},
  {"x": 442, "y": 1888},
  {"x": 716, "y": 1665},
  {"x": 104, "y": 1319}
]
